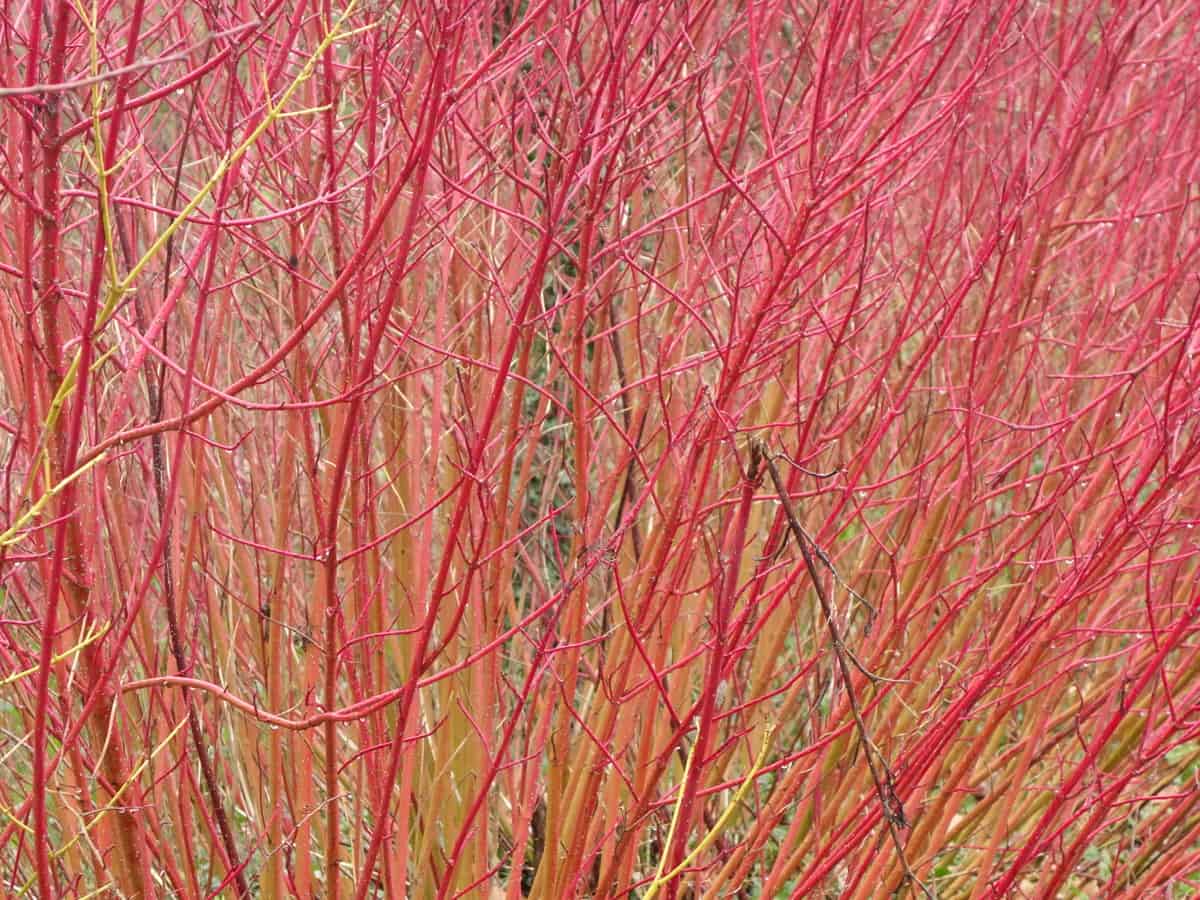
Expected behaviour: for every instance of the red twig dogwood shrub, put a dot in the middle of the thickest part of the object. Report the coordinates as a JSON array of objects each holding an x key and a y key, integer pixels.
[{"x": 609, "y": 449}]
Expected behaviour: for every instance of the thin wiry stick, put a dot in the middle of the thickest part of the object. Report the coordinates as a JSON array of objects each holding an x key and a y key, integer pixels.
[{"x": 881, "y": 773}]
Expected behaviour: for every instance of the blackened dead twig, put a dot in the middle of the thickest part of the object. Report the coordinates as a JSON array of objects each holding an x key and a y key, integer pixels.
[{"x": 881, "y": 773}]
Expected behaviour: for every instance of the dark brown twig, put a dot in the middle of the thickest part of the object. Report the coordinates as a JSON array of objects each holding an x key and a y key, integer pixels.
[{"x": 881, "y": 773}]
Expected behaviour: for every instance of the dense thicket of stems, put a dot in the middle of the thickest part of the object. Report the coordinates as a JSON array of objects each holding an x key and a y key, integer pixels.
[{"x": 615, "y": 449}]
